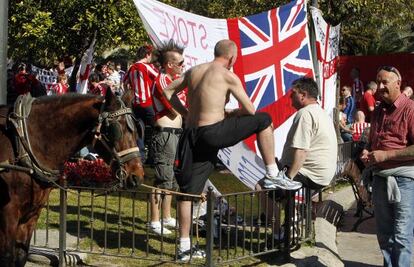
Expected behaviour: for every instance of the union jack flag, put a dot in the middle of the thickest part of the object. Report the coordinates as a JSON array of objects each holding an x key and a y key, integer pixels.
[{"x": 274, "y": 51}]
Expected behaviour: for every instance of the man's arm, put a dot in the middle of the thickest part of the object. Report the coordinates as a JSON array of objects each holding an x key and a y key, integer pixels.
[
  {"x": 175, "y": 87},
  {"x": 178, "y": 105},
  {"x": 236, "y": 88},
  {"x": 378, "y": 156},
  {"x": 299, "y": 156}
]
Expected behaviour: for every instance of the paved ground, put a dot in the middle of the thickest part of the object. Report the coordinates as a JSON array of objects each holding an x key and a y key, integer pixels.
[{"x": 358, "y": 248}]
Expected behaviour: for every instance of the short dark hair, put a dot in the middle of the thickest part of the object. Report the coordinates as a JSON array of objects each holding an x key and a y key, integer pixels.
[
  {"x": 143, "y": 51},
  {"x": 224, "y": 48},
  {"x": 162, "y": 54},
  {"x": 306, "y": 84},
  {"x": 93, "y": 78}
]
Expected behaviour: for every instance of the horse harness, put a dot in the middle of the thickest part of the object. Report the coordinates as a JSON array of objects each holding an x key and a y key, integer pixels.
[
  {"x": 108, "y": 131},
  {"x": 27, "y": 162}
]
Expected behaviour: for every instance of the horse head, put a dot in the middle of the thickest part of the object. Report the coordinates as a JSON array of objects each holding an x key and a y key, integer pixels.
[{"x": 116, "y": 139}]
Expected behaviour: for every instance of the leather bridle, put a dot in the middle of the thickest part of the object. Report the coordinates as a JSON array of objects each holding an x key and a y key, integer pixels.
[{"x": 107, "y": 119}]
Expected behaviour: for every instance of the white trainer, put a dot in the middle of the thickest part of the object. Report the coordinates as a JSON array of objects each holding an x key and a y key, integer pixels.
[
  {"x": 156, "y": 228},
  {"x": 170, "y": 222},
  {"x": 281, "y": 181}
]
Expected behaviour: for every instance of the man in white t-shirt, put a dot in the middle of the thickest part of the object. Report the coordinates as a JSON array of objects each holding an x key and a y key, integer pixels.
[
  {"x": 309, "y": 154},
  {"x": 310, "y": 151}
]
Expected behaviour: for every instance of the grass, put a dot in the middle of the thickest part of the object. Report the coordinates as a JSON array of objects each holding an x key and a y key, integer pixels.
[{"x": 123, "y": 220}]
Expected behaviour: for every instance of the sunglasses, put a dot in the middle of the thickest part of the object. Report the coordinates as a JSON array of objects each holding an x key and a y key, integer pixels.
[
  {"x": 390, "y": 69},
  {"x": 179, "y": 64}
]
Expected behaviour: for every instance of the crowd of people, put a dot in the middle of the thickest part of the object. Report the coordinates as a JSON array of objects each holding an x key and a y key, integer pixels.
[
  {"x": 356, "y": 102},
  {"x": 186, "y": 112}
]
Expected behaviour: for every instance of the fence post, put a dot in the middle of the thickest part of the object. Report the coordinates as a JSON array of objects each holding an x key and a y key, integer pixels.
[
  {"x": 62, "y": 222},
  {"x": 308, "y": 202},
  {"x": 288, "y": 223},
  {"x": 210, "y": 227}
]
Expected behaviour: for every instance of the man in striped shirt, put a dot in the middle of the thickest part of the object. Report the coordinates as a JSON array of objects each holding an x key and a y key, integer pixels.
[
  {"x": 359, "y": 126},
  {"x": 140, "y": 78},
  {"x": 167, "y": 131}
]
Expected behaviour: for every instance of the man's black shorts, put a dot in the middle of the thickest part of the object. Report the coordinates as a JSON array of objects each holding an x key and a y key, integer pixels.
[{"x": 198, "y": 147}]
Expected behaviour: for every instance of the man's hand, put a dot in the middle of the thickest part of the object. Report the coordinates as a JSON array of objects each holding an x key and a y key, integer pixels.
[
  {"x": 364, "y": 157},
  {"x": 378, "y": 156},
  {"x": 375, "y": 157}
]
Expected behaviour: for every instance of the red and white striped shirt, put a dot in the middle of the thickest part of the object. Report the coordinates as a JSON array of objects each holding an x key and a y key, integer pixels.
[
  {"x": 99, "y": 89},
  {"x": 60, "y": 89},
  {"x": 358, "y": 128},
  {"x": 160, "y": 103},
  {"x": 141, "y": 78}
]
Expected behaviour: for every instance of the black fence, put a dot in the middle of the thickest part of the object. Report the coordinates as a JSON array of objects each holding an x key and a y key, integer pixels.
[
  {"x": 232, "y": 228},
  {"x": 229, "y": 227}
]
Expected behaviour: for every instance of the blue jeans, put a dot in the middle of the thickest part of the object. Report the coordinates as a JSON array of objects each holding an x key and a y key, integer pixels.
[{"x": 395, "y": 221}]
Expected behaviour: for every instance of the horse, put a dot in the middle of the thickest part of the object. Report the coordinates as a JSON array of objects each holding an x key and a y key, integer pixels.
[{"x": 37, "y": 137}]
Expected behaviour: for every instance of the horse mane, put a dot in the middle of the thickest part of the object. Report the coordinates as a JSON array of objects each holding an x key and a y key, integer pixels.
[{"x": 66, "y": 99}]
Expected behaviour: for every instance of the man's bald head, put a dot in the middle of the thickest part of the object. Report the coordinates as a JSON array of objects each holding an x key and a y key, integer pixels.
[{"x": 225, "y": 48}]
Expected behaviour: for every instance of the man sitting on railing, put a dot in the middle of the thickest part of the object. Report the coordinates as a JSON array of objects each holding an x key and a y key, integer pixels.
[{"x": 309, "y": 154}]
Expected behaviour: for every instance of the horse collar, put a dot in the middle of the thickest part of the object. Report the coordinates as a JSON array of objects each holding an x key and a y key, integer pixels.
[{"x": 22, "y": 108}]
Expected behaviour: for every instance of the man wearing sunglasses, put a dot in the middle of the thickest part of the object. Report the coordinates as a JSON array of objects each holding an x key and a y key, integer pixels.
[
  {"x": 390, "y": 155},
  {"x": 167, "y": 131}
]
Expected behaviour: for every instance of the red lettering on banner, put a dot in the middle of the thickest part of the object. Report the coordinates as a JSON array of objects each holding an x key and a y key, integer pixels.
[
  {"x": 192, "y": 25},
  {"x": 163, "y": 21},
  {"x": 204, "y": 37},
  {"x": 190, "y": 61},
  {"x": 177, "y": 28},
  {"x": 329, "y": 68},
  {"x": 174, "y": 26},
  {"x": 181, "y": 22}
]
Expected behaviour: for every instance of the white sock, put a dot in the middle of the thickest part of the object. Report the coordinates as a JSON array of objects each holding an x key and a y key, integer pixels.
[
  {"x": 185, "y": 244},
  {"x": 272, "y": 170}
]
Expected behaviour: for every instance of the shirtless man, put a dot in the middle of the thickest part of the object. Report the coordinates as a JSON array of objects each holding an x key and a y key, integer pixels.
[{"x": 209, "y": 128}]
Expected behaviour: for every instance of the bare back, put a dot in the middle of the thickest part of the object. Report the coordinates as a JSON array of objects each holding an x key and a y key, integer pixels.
[{"x": 209, "y": 86}]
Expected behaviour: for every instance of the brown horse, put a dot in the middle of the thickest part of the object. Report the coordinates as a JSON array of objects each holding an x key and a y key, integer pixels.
[{"x": 54, "y": 130}]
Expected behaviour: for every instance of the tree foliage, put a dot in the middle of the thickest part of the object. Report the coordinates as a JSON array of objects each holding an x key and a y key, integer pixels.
[
  {"x": 40, "y": 31},
  {"x": 372, "y": 26}
]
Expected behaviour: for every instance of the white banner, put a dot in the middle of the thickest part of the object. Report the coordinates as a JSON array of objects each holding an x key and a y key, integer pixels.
[
  {"x": 327, "y": 45},
  {"x": 48, "y": 77},
  {"x": 196, "y": 33},
  {"x": 200, "y": 34}
]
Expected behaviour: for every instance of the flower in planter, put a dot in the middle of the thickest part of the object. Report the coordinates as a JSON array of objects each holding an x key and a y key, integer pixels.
[{"x": 86, "y": 172}]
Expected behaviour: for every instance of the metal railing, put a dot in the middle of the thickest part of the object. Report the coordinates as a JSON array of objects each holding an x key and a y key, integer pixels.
[
  {"x": 234, "y": 227},
  {"x": 249, "y": 224}
]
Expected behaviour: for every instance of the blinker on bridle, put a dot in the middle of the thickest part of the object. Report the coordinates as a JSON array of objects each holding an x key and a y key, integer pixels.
[{"x": 112, "y": 132}]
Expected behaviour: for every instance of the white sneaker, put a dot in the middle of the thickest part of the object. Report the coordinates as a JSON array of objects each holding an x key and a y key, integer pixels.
[
  {"x": 281, "y": 181},
  {"x": 156, "y": 228},
  {"x": 195, "y": 253},
  {"x": 170, "y": 222}
]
